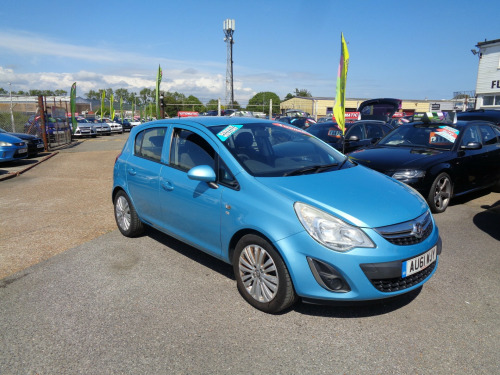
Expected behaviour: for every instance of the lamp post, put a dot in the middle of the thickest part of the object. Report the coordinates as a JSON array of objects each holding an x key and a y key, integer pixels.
[
  {"x": 229, "y": 26},
  {"x": 11, "y": 111}
]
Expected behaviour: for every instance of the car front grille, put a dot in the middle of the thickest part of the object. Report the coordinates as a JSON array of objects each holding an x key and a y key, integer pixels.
[
  {"x": 400, "y": 283},
  {"x": 408, "y": 233}
]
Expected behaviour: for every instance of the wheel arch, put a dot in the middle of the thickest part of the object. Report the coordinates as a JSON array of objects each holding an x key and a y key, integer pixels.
[
  {"x": 243, "y": 232},
  {"x": 443, "y": 168},
  {"x": 115, "y": 191}
]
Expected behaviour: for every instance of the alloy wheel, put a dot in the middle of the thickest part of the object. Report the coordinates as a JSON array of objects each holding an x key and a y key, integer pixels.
[
  {"x": 123, "y": 216},
  {"x": 258, "y": 273},
  {"x": 442, "y": 193}
]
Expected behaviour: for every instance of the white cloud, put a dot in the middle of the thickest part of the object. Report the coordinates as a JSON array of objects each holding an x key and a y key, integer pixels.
[{"x": 204, "y": 79}]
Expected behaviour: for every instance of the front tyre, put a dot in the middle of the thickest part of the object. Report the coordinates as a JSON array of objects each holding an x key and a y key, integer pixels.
[
  {"x": 126, "y": 217},
  {"x": 261, "y": 275},
  {"x": 440, "y": 194}
]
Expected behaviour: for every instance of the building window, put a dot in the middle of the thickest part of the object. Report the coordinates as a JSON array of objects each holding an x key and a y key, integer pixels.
[{"x": 488, "y": 100}]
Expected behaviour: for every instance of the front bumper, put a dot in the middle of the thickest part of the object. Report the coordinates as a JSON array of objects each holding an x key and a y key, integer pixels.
[{"x": 366, "y": 273}]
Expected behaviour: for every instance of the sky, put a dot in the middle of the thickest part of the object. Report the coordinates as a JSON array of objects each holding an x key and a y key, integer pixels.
[{"x": 400, "y": 49}]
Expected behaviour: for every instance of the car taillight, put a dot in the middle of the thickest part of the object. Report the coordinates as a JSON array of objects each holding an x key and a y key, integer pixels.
[{"x": 117, "y": 156}]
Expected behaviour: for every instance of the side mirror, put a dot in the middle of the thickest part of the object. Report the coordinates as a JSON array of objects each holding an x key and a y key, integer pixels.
[
  {"x": 353, "y": 138},
  {"x": 202, "y": 173},
  {"x": 472, "y": 146}
]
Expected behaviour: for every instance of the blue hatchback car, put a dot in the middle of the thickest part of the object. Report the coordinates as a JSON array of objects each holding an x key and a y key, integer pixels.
[
  {"x": 295, "y": 218},
  {"x": 12, "y": 148}
]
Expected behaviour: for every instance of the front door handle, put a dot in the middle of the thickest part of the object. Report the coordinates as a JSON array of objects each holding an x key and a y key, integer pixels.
[{"x": 167, "y": 185}]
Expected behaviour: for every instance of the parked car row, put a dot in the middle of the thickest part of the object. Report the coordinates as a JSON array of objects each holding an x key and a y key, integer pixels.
[
  {"x": 14, "y": 146},
  {"x": 94, "y": 127},
  {"x": 438, "y": 158}
]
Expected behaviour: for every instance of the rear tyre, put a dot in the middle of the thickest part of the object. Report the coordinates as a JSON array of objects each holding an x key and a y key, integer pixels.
[
  {"x": 261, "y": 275},
  {"x": 126, "y": 217},
  {"x": 440, "y": 194}
]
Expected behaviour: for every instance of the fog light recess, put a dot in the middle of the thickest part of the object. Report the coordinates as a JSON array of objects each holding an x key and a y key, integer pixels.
[{"x": 328, "y": 277}]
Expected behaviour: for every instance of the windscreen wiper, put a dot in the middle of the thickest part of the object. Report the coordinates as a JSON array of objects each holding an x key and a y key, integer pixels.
[{"x": 311, "y": 169}]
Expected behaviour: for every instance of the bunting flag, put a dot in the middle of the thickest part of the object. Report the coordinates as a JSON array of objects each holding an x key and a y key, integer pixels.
[
  {"x": 103, "y": 96},
  {"x": 339, "y": 109},
  {"x": 158, "y": 81},
  {"x": 72, "y": 101}
]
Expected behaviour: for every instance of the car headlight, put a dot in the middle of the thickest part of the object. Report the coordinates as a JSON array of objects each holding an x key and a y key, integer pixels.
[
  {"x": 330, "y": 231},
  {"x": 408, "y": 174},
  {"x": 5, "y": 144}
]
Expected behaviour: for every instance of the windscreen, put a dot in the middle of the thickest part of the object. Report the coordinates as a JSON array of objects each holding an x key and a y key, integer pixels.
[
  {"x": 274, "y": 149},
  {"x": 439, "y": 136}
]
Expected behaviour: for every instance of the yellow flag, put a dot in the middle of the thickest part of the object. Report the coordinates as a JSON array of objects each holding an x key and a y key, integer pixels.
[{"x": 339, "y": 109}]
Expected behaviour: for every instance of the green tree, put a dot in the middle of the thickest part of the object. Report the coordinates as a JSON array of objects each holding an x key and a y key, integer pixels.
[
  {"x": 93, "y": 95},
  {"x": 212, "y": 105},
  {"x": 61, "y": 92},
  {"x": 302, "y": 92},
  {"x": 109, "y": 92},
  {"x": 194, "y": 104},
  {"x": 122, "y": 93},
  {"x": 174, "y": 103},
  {"x": 3, "y": 91},
  {"x": 146, "y": 95},
  {"x": 260, "y": 102}
]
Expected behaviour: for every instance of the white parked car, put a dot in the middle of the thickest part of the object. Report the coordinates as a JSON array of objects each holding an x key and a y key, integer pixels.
[
  {"x": 115, "y": 126},
  {"x": 135, "y": 122}
]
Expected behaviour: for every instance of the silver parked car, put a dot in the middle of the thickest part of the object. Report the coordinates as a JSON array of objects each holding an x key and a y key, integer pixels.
[
  {"x": 101, "y": 128},
  {"x": 84, "y": 128}
]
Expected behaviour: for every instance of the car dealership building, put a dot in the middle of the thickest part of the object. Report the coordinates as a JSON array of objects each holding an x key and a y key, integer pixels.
[{"x": 488, "y": 74}]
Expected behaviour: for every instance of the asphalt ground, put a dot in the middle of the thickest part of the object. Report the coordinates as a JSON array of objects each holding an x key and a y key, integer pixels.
[{"x": 79, "y": 298}]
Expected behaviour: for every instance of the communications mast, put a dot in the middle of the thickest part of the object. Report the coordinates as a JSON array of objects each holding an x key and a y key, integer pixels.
[{"x": 228, "y": 33}]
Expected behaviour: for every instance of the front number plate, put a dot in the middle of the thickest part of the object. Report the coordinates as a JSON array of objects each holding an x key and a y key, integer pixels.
[{"x": 419, "y": 263}]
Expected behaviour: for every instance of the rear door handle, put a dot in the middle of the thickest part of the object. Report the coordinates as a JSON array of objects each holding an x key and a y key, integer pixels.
[{"x": 132, "y": 171}]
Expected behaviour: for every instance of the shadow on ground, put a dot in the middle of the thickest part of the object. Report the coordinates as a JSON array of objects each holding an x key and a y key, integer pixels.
[
  {"x": 489, "y": 220},
  {"x": 334, "y": 310}
]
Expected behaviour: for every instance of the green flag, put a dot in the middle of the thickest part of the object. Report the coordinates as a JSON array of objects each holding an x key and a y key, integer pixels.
[
  {"x": 111, "y": 108},
  {"x": 72, "y": 101},
  {"x": 158, "y": 81},
  {"x": 339, "y": 109},
  {"x": 121, "y": 108}
]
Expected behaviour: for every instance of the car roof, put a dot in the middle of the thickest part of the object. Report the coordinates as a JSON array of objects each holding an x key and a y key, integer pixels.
[
  {"x": 209, "y": 121},
  {"x": 458, "y": 124}
]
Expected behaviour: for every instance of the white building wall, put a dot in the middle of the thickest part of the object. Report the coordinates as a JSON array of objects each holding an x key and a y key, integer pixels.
[{"x": 488, "y": 76}]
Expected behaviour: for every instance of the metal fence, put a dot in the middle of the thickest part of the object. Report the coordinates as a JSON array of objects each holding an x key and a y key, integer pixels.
[{"x": 21, "y": 114}]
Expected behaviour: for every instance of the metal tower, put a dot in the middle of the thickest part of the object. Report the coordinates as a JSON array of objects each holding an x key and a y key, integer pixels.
[{"x": 228, "y": 33}]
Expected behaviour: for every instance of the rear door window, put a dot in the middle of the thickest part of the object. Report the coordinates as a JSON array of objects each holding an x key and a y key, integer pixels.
[
  {"x": 487, "y": 135},
  {"x": 149, "y": 143}
]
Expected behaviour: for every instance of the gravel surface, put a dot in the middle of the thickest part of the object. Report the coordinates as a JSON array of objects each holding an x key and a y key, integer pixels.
[
  {"x": 61, "y": 203},
  {"x": 101, "y": 303}
]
